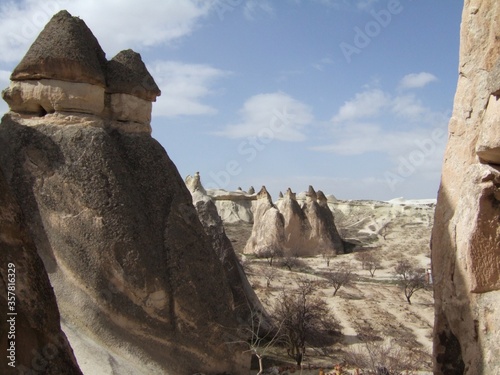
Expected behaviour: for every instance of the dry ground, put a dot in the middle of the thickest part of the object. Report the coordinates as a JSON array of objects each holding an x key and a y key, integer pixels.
[{"x": 373, "y": 312}]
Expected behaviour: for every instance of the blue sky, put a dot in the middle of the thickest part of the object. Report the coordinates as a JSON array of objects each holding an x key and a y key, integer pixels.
[{"x": 352, "y": 97}]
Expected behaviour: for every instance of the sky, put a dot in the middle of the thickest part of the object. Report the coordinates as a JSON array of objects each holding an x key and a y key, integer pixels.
[{"x": 351, "y": 97}]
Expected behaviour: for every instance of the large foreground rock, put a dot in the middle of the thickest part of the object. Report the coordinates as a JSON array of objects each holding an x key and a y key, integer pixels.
[
  {"x": 138, "y": 283},
  {"x": 32, "y": 339},
  {"x": 466, "y": 234}
]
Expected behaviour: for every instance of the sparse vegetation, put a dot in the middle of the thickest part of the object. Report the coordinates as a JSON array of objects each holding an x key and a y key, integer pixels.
[
  {"x": 270, "y": 253},
  {"x": 304, "y": 316},
  {"x": 261, "y": 339},
  {"x": 372, "y": 311},
  {"x": 369, "y": 261},
  {"x": 291, "y": 263},
  {"x": 412, "y": 278},
  {"x": 341, "y": 276},
  {"x": 269, "y": 274},
  {"x": 386, "y": 359}
]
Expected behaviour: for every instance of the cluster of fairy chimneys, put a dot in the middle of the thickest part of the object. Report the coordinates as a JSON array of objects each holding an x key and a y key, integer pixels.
[
  {"x": 66, "y": 71},
  {"x": 293, "y": 229}
]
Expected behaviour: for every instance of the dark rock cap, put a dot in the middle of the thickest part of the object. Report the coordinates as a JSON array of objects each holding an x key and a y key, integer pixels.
[
  {"x": 127, "y": 74},
  {"x": 311, "y": 193},
  {"x": 264, "y": 194},
  {"x": 321, "y": 197},
  {"x": 290, "y": 194},
  {"x": 65, "y": 50}
]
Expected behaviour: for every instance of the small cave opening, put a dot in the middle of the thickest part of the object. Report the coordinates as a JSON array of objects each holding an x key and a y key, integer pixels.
[{"x": 41, "y": 112}]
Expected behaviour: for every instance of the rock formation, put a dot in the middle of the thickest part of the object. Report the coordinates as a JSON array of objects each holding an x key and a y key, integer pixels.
[
  {"x": 293, "y": 230},
  {"x": 324, "y": 235},
  {"x": 297, "y": 228},
  {"x": 466, "y": 233},
  {"x": 32, "y": 338},
  {"x": 67, "y": 72},
  {"x": 245, "y": 299},
  {"x": 138, "y": 284},
  {"x": 234, "y": 206},
  {"x": 268, "y": 232}
]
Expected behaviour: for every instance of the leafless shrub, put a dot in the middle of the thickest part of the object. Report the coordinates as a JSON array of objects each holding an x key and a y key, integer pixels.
[
  {"x": 306, "y": 319},
  {"x": 292, "y": 262},
  {"x": 270, "y": 253},
  {"x": 387, "y": 359},
  {"x": 341, "y": 276},
  {"x": 411, "y": 278}
]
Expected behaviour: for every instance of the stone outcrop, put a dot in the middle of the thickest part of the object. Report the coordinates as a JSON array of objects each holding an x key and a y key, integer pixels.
[
  {"x": 234, "y": 206},
  {"x": 268, "y": 231},
  {"x": 32, "y": 340},
  {"x": 466, "y": 233},
  {"x": 67, "y": 72},
  {"x": 245, "y": 299},
  {"x": 139, "y": 286},
  {"x": 299, "y": 231},
  {"x": 297, "y": 228},
  {"x": 324, "y": 236}
]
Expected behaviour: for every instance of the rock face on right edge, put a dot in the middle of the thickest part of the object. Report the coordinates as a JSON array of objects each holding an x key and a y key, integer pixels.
[{"x": 466, "y": 233}]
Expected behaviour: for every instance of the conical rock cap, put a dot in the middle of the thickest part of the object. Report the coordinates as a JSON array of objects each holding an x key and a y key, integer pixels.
[{"x": 65, "y": 50}]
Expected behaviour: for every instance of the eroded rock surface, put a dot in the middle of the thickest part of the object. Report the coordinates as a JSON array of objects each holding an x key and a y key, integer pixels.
[
  {"x": 466, "y": 234},
  {"x": 293, "y": 230},
  {"x": 32, "y": 339},
  {"x": 245, "y": 299},
  {"x": 66, "y": 71},
  {"x": 268, "y": 231},
  {"x": 138, "y": 283}
]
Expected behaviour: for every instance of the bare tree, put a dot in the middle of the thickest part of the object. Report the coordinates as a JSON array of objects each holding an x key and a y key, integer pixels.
[
  {"x": 372, "y": 264},
  {"x": 369, "y": 261},
  {"x": 304, "y": 316},
  {"x": 327, "y": 256},
  {"x": 270, "y": 253},
  {"x": 291, "y": 262},
  {"x": 411, "y": 278},
  {"x": 269, "y": 274},
  {"x": 261, "y": 340},
  {"x": 388, "y": 358},
  {"x": 258, "y": 336},
  {"x": 341, "y": 276}
]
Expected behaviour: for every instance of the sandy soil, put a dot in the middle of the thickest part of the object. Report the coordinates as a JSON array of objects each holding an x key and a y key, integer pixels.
[{"x": 372, "y": 311}]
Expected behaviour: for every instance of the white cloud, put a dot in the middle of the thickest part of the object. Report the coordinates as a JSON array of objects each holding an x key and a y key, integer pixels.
[
  {"x": 254, "y": 7},
  {"x": 357, "y": 129},
  {"x": 132, "y": 25},
  {"x": 373, "y": 103},
  {"x": 276, "y": 115},
  {"x": 416, "y": 80},
  {"x": 183, "y": 86},
  {"x": 408, "y": 106},
  {"x": 360, "y": 138},
  {"x": 320, "y": 65},
  {"x": 365, "y": 104}
]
